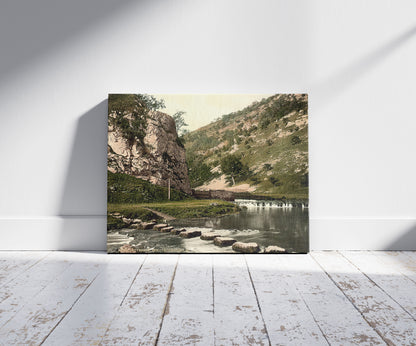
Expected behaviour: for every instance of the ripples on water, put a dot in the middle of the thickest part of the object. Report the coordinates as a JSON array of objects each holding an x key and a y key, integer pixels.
[{"x": 284, "y": 227}]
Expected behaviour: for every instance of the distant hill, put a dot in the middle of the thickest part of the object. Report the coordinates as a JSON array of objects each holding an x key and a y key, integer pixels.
[{"x": 267, "y": 143}]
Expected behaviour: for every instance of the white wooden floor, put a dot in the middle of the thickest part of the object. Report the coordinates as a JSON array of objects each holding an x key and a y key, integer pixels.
[{"x": 336, "y": 298}]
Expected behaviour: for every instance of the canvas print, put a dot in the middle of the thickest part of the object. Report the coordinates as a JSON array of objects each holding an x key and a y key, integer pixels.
[{"x": 207, "y": 173}]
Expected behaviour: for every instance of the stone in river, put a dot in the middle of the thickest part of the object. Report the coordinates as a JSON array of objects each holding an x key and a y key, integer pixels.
[
  {"x": 190, "y": 234},
  {"x": 147, "y": 225},
  {"x": 224, "y": 241},
  {"x": 160, "y": 226},
  {"x": 127, "y": 220},
  {"x": 177, "y": 231},
  {"x": 126, "y": 248},
  {"x": 246, "y": 247},
  {"x": 166, "y": 229},
  {"x": 209, "y": 236},
  {"x": 274, "y": 249}
]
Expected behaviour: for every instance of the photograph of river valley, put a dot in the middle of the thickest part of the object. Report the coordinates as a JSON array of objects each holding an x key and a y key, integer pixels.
[{"x": 207, "y": 173}]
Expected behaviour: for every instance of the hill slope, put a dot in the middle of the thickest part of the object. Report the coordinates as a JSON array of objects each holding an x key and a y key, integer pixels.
[{"x": 267, "y": 142}]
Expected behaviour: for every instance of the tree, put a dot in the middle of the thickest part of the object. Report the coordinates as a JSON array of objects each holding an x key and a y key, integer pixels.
[
  {"x": 129, "y": 114},
  {"x": 180, "y": 123},
  {"x": 232, "y": 166}
]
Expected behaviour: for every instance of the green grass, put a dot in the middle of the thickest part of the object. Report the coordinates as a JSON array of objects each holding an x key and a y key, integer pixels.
[
  {"x": 124, "y": 188},
  {"x": 131, "y": 211},
  {"x": 177, "y": 209}
]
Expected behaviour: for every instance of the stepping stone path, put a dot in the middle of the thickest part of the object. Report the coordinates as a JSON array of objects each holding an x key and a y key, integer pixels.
[
  {"x": 274, "y": 249},
  {"x": 246, "y": 247},
  {"x": 224, "y": 241},
  {"x": 209, "y": 236},
  {"x": 166, "y": 229},
  {"x": 126, "y": 248},
  {"x": 190, "y": 234},
  {"x": 147, "y": 225},
  {"x": 177, "y": 231},
  {"x": 160, "y": 226}
]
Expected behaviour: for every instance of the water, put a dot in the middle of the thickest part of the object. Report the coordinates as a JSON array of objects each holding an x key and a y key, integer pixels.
[{"x": 287, "y": 227}]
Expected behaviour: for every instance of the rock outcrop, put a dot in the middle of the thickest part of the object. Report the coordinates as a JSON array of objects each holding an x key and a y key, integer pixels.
[{"x": 159, "y": 158}]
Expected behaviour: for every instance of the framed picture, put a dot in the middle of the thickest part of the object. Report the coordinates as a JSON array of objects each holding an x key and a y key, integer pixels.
[{"x": 208, "y": 173}]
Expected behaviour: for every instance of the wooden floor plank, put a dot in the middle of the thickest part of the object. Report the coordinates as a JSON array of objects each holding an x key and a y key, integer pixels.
[
  {"x": 189, "y": 316},
  {"x": 288, "y": 319},
  {"x": 90, "y": 317},
  {"x": 14, "y": 263},
  {"x": 15, "y": 294},
  {"x": 391, "y": 322},
  {"x": 139, "y": 318},
  {"x": 31, "y": 324},
  {"x": 338, "y": 319},
  {"x": 238, "y": 320},
  {"x": 403, "y": 262},
  {"x": 386, "y": 276}
]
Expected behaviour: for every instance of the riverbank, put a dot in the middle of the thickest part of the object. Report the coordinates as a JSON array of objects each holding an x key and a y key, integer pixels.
[{"x": 174, "y": 209}]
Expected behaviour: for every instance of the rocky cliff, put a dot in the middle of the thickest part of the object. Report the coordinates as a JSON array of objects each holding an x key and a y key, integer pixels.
[{"x": 159, "y": 158}]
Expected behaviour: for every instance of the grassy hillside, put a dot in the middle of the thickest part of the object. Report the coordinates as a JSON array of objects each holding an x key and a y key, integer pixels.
[
  {"x": 124, "y": 188},
  {"x": 267, "y": 143}
]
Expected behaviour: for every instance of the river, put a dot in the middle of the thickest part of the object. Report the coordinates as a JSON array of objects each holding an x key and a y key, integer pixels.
[{"x": 263, "y": 223}]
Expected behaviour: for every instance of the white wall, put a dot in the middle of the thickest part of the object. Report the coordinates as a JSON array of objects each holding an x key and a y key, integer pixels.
[{"x": 60, "y": 59}]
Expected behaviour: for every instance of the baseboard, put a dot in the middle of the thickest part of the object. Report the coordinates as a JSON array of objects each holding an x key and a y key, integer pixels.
[
  {"x": 53, "y": 233},
  {"x": 89, "y": 233},
  {"x": 362, "y": 234}
]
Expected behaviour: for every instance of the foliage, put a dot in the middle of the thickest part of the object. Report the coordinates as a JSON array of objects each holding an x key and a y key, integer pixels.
[
  {"x": 124, "y": 188},
  {"x": 199, "y": 172},
  {"x": 233, "y": 168},
  {"x": 281, "y": 107},
  {"x": 180, "y": 123},
  {"x": 295, "y": 140},
  {"x": 129, "y": 114},
  {"x": 304, "y": 180}
]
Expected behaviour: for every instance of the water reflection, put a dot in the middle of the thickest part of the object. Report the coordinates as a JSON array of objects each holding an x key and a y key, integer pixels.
[{"x": 284, "y": 227}]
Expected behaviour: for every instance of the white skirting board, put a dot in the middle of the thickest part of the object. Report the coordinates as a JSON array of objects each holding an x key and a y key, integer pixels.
[
  {"x": 54, "y": 233},
  {"x": 89, "y": 233},
  {"x": 362, "y": 234}
]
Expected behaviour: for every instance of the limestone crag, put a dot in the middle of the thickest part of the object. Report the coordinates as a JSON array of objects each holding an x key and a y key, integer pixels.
[{"x": 157, "y": 159}]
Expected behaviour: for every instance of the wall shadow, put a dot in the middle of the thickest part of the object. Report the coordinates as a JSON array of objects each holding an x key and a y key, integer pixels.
[
  {"x": 84, "y": 191},
  {"x": 31, "y": 29},
  {"x": 407, "y": 242},
  {"x": 333, "y": 86},
  {"x": 83, "y": 203}
]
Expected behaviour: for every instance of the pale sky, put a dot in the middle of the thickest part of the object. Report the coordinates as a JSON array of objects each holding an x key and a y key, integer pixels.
[{"x": 202, "y": 109}]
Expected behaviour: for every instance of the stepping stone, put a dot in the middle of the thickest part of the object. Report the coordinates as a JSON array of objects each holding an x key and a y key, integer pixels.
[
  {"x": 126, "y": 220},
  {"x": 137, "y": 221},
  {"x": 190, "y": 234},
  {"x": 160, "y": 226},
  {"x": 274, "y": 249},
  {"x": 224, "y": 241},
  {"x": 246, "y": 247},
  {"x": 147, "y": 225},
  {"x": 177, "y": 231},
  {"x": 209, "y": 236},
  {"x": 166, "y": 229},
  {"x": 126, "y": 248}
]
